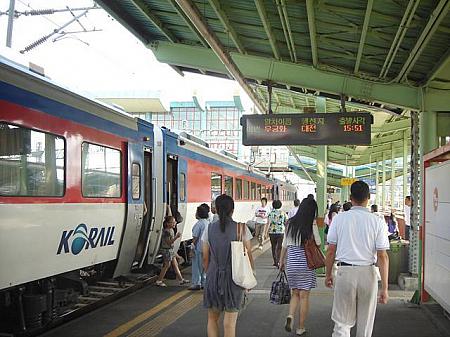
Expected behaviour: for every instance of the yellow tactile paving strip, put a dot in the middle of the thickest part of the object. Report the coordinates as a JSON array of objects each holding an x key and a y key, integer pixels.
[
  {"x": 175, "y": 311},
  {"x": 156, "y": 325},
  {"x": 146, "y": 315}
]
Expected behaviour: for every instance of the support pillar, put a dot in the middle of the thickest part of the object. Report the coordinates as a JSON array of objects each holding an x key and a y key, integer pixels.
[
  {"x": 321, "y": 183},
  {"x": 383, "y": 183},
  {"x": 321, "y": 187},
  {"x": 377, "y": 191},
  {"x": 344, "y": 189},
  {"x": 392, "y": 176},
  {"x": 405, "y": 165},
  {"x": 429, "y": 139}
]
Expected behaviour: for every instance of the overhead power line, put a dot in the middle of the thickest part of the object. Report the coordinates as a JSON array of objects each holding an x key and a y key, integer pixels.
[
  {"x": 48, "y": 11},
  {"x": 55, "y": 31}
]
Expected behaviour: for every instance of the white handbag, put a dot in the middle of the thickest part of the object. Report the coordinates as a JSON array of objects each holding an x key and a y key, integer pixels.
[{"x": 240, "y": 264}]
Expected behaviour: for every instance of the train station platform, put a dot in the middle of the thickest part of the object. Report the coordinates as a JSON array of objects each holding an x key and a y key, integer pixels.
[{"x": 176, "y": 311}]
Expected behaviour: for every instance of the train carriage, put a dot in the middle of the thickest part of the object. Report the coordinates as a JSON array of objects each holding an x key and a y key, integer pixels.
[{"x": 86, "y": 186}]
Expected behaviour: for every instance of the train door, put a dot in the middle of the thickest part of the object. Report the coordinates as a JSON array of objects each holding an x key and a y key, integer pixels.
[
  {"x": 182, "y": 198},
  {"x": 157, "y": 204},
  {"x": 135, "y": 210},
  {"x": 148, "y": 218}
]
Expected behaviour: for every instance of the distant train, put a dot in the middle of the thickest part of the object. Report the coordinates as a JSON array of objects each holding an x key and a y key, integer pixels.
[{"x": 85, "y": 187}]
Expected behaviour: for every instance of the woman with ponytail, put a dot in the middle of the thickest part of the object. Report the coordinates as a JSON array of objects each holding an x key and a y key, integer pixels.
[
  {"x": 221, "y": 294},
  {"x": 301, "y": 278}
]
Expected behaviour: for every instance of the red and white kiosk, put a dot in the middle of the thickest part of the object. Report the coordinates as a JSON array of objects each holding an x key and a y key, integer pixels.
[{"x": 436, "y": 227}]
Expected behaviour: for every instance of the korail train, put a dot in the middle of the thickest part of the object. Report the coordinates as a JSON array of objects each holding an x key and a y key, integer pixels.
[{"x": 85, "y": 187}]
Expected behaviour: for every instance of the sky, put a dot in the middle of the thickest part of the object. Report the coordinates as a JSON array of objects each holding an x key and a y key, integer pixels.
[{"x": 108, "y": 60}]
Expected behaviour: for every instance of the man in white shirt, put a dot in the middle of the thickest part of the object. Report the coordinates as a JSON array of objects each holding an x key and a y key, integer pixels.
[
  {"x": 357, "y": 240},
  {"x": 407, "y": 216},
  {"x": 261, "y": 214},
  {"x": 293, "y": 211}
]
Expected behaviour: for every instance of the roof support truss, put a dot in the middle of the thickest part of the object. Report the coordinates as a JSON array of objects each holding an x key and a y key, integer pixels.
[
  {"x": 267, "y": 27},
  {"x": 312, "y": 30},
  {"x": 143, "y": 8},
  {"x": 295, "y": 75},
  {"x": 188, "y": 22},
  {"x": 224, "y": 58},
  {"x": 282, "y": 13},
  {"x": 435, "y": 19},
  {"x": 362, "y": 41},
  {"x": 403, "y": 27},
  {"x": 215, "y": 4}
]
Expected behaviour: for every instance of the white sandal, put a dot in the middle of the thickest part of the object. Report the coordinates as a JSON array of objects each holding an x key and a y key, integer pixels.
[
  {"x": 300, "y": 331},
  {"x": 160, "y": 284}
]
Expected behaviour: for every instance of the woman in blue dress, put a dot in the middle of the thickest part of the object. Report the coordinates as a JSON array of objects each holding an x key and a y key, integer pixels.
[
  {"x": 301, "y": 279},
  {"x": 221, "y": 294}
]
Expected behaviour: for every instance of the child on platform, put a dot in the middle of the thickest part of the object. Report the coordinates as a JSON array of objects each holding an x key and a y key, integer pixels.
[{"x": 167, "y": 250}]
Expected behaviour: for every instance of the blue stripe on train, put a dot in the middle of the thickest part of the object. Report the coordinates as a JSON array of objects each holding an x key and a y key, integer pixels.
[{"x": 31, "y": 100}]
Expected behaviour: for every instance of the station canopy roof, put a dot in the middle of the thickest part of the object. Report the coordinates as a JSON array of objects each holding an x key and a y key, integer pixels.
[{"x": 386, "y": 57}]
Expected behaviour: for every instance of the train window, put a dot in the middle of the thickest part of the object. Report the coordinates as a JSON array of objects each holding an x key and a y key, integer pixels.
[
  {"x": 238, "y": 195},
  {"x": 136, "y": 181},
  {"x": 182, "y": 187},
  {"x": 32, "y": 163},
  {"x": 100, "y": 171},
  {"x": 229, "y": 186},
  {"x": 258, "y": 192},
  {"x": 245, "y": 190},
  {"x": 253, "y": 191},
  {"x": 216, "y": 185}
]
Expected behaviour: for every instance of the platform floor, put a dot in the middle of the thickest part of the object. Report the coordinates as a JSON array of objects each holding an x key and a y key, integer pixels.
[{"x": 176, "y": 311}]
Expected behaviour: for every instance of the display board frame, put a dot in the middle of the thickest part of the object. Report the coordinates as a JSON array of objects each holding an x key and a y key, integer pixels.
[{"x": 352, "y": 128}]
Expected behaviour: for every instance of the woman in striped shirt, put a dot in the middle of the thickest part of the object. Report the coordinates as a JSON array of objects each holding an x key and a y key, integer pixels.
[{"x": 301, "y": 279}]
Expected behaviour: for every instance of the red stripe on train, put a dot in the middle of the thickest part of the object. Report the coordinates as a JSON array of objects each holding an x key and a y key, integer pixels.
[{"x": 75, "y": 134}]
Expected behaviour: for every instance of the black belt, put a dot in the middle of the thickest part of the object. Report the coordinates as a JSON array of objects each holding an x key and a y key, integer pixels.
[{"x": 353, "y": 265}]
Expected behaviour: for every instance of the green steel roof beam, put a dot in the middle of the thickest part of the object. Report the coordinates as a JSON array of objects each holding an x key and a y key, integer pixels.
[
  {"x": 146, "y": 11},
  {"x": 297, "y": 158},
  {"x": 119, "y": 14},
  {"x": 388, "y": 139},
  {"x": 188, "y": 23},
  {"x": 362, "y": 41},
  {"x": 436, "y": 18},
  {"x": 177, "y": 70},
  {"x": 443, "y": 62},
  {"x": 277, "y": 98},
  {"x": 399, "y": 35},
  {"x": 288, "y": 28},
  {"x": 296, "y": 75},
  {"x": 267, "y": 27},
  {"x": 398, "y": 125},
  {"x": 285, "y": 31},
  {"x": 312, "y": 30},
  {"x": 346, "y": 10},
  {"x": 223, "y": 17},
  {"x": 294, "y": 106},
  {"x": 436, "y": 100},
  {"x": 192, "y": 12}
]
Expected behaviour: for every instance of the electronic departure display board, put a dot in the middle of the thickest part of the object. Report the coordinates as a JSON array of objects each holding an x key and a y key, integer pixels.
[{"x": 351, "y": 128}]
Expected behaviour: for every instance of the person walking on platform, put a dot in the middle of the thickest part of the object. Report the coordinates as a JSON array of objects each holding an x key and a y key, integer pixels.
[
  {"x": 294, "y": 210},
  {"x": 221, "y": 294},
  {"x": 357, "y": 240},
  {"x": 261, "y": 214},
  {"x": 277, "y": 221},
  {"x": 169, "y": 256},
  {"x": 301, "y": 279},
  {"x": 198, "y": 273}
]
